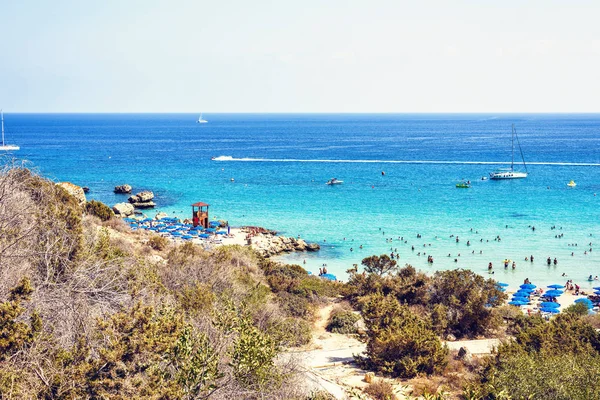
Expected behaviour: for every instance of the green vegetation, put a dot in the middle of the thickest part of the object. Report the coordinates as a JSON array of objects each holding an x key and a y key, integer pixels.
[
  {"x": 401, "y": 343},
  {"x": 553, "y": 360},
  {"x": 98, "y": 209},
  {"x": 342, "y": 320}
]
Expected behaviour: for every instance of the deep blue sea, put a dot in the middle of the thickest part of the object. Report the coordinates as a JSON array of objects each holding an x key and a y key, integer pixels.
[{"x": 280, "y": 163}]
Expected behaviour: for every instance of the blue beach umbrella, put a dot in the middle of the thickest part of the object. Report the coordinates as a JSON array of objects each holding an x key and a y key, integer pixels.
[
  {"x": 502, "y": 284},
  {"x": 553, "y": 293},
  {"x": 308, "y": 272},
  {"x": 211, "y": 230},
  {"x": 502, "y": 289},
  {"x": 526, "y": 291},
  {"x": 521, "y": 294},
  {"x": 528, "y": 286},
  {"x": 221, "y": 233},
  {"x": 583, "y": 300},
  {"x": 176, "y": 233},
  {"x": 549, "y": 304},
  {"x": 556, "y": 286},
  {"x": 204, "y": 235},
  {"x": 597, "y": 288},
  {"x": 330, "y": 277},
  {"x": 215, "y": 223},
  {"x": 187, "y": 237}
]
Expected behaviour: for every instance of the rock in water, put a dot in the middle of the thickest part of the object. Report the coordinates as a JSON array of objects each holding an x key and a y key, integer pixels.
[
  {"x": 145, "y": 196},
  {"x": 86, "y": 189},
  {"x": 144, "y": 204},
  {"x": 75, "y": 191},
  {"x": 123, "y": 209},
  {"x": 122, "y": 189}
]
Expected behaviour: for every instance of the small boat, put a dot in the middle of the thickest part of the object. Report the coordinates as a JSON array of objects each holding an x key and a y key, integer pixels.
[
  {"x": 334, "y": 181},
  {"x": 200, "y": 120},
  {"x": 463, "y": 185},
  {"x": 484, "y": 178},
  {"x": 6, "y": 147},
  {"x": 511, "y": 173},
  {"x": 572, "y": 184}
]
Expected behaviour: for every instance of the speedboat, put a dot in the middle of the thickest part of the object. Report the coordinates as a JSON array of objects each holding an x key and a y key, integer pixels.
[
  {"x": 334, "y": 181},
  {"x": 463, "y": 185},
  {"x": 572, "y": 184}
]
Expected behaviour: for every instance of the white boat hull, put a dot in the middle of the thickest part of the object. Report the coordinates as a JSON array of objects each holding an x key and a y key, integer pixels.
[
  {"x": 9, "y": 147},
  {"x": 508, "y": 175}
]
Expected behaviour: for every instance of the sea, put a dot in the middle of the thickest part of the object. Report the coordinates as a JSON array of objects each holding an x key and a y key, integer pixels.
[{"x": 399, "y": 174}]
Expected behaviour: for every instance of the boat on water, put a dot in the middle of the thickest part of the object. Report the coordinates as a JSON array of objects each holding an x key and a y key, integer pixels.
[
  {"x": 334, "y": 181},
  {"x": 463, "y": 184},
  {"x": 201, "y": 120},
  {"x": 511, "y": 173},
  {"x": 572, "y": 184},
  {"x": 6, "y": 147}
]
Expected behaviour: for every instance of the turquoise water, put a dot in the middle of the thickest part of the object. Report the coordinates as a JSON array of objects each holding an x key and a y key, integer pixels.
[{"x": 280, "y": 164}]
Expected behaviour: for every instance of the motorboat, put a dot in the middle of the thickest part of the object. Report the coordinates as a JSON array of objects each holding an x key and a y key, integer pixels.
[
  {"x": 463, "y": 185},
  {"x": 510, "y": 173},
  {"x": 334, "y": 181}
]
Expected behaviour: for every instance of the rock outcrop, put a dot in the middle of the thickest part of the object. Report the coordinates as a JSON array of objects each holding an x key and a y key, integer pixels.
[
  {"x": 161, "y": 215},
  {"x": 267, "y": 244},
  {"x": 143, "y": 200},
  {"x": 75, "y": 191},
  {"x": 123, "y": 209},
  {"x": 123, "y": 189}
]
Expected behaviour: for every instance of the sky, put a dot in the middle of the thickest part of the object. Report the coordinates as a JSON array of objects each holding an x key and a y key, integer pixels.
[{"x": 300, "y": 56}]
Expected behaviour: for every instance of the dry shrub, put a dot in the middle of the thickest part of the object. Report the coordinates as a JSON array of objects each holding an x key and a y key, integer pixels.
[
  {"x": 157, "y": 242},
  {"x": 593, "y": 320},
  {"x": 423, "y": 386},
  {"x": 381, "y": 390},
  {"x": 117, "y": 224}
]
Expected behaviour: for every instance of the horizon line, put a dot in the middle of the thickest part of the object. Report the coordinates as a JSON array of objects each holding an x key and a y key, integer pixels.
[{"x": 320, "y": 112}]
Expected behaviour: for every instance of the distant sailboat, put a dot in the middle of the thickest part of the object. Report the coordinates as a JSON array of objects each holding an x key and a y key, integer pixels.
[
  {"x": 200, "y": 120},
  {"x": 511, "y": 173},
  {"x": 6, "y": 147}
]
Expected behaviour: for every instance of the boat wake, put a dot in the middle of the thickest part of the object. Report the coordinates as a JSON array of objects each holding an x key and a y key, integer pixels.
[{"x": 297, "y": 160}]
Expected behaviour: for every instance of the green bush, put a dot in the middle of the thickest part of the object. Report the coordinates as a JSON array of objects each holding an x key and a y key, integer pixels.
[
  {"x": 342, "y": 321},
  {"x": 466, "y": 296},
  {"x": 99, "y": 210},
  {"x": 291, "y": 332},
  {"x": 400, "y": 343},
  {"x": 579, "y": 309},
  {"x": 554, "y": 360}
]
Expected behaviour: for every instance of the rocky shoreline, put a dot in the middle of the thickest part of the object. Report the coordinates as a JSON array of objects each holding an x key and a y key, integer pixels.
[{"x": 268, "y": 244}]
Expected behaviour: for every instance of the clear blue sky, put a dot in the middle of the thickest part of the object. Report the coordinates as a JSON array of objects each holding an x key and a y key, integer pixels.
[{"x": 300, "y": 56}]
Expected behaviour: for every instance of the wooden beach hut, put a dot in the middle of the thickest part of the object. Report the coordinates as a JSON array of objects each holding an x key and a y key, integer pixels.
[{"x": 200, "y": 214}]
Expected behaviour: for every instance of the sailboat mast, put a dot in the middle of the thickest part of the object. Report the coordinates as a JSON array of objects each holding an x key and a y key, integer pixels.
[
  {"x": 2, "y": 118},
  {"x": 512, "y": 161}
]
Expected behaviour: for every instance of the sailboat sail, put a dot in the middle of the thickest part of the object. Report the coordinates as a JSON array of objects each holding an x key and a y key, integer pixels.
[
  {"x": 5, "y": 146},
  {"x": 201, "y": 120}
]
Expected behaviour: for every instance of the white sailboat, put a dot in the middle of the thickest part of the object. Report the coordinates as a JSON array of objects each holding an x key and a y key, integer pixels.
[
  {"x": 200, "y": 120},
  {"x": 6, "y": 147},
  {"x": 511, "y": 173}
]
